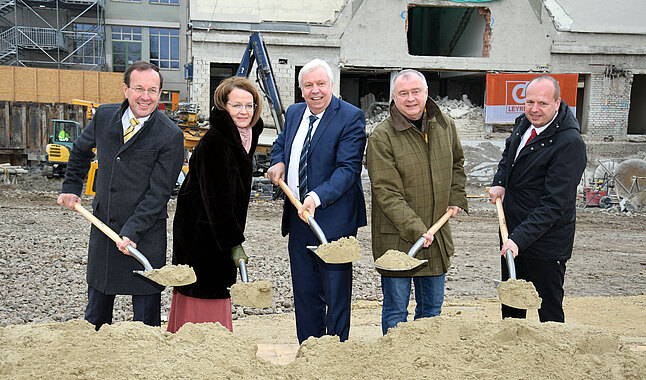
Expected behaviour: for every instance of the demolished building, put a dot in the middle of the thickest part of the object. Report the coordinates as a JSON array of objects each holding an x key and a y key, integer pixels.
[{"x": 454, "y": 43}]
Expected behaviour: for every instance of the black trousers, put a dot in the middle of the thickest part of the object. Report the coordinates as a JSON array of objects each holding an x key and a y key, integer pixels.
[
  {"x": 146, "y": 308},
  {"x": 547, "y": 277}
]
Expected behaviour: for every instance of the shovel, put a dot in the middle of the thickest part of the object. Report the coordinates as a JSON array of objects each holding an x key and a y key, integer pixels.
[
  {"x": 504, "y": 233},
  {"x": 167, "y": 276},
  {"x": 519, "y": 294},
  {"x": 257, "y": 294},
  {"x": 408, "y": 264},
  {"x": 345, "y": 250}
]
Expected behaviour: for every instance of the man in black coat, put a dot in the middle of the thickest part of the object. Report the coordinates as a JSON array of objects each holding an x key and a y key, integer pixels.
[
  {"x": 140, "y": 153},
  {"x": 537, "y": 180}
]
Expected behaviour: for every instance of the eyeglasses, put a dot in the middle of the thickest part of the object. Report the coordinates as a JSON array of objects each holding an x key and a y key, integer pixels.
[
  {"x": 238, "y": 107},
  {"x": 405, "y": 94},
  {"x": 141, "y": 90}
]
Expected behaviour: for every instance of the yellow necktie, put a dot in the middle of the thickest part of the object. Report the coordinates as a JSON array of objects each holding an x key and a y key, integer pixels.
[{"x": 131, "y": 130}]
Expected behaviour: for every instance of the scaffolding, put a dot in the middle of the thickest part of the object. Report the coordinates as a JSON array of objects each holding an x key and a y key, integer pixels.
[{"x": 61, "y": 34}]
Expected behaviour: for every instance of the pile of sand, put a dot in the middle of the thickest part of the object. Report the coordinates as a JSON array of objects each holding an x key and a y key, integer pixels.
[
  {"x": 344, "y": 250},
  {"x": 440, "y": 347},
  {"x": 172, "y": 275},
  {"x": 519, "y": 294},
  {"x": 397, "y": 260},
  {"x": 256, "y": 294}
]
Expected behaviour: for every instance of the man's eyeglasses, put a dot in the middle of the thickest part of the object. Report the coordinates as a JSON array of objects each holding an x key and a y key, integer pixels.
[
  {"x": 238, "y": 107},
  {"x": 405, "y": 94},
  {"x": 141, "y": 90}
]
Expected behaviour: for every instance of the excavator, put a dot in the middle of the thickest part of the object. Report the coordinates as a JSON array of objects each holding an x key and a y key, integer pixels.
[
  {"x": 262, "y": 188},
  {"x": 257, "y": 51},
  {"x": 64, "y": 132}
]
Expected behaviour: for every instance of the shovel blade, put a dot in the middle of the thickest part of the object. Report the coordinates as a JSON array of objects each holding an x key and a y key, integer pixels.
[
  {"x": 255, "y": 294},
  {"x": 402, "y": 269},
  {"x": 342, "y": 251}
]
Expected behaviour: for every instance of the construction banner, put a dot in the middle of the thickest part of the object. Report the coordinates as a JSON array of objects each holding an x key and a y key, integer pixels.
[{"x": 505, "y": 98}]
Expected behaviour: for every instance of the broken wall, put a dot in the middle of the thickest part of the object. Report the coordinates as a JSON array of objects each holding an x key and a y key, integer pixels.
[
  {"x": 376, "y": 36},
  {"x": 215, "y": 47}
]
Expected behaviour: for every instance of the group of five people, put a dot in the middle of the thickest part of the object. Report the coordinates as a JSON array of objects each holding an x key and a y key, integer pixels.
[{"x": 416, "y": 166}]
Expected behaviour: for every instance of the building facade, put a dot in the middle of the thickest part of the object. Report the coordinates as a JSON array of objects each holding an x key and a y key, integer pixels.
[
  {"x": 453, "y": 43},
  {"x": 149, "y": 30}
]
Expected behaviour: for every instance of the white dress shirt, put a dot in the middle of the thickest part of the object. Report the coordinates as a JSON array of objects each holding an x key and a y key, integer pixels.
[
  {"x": 528, "y": 133},
  {"x": 297, "y": 147}
]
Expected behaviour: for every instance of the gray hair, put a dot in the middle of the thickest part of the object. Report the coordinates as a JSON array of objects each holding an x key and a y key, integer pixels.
[
  {"x": 406, "y": 74},
  {"x": 311, "y": 65}
]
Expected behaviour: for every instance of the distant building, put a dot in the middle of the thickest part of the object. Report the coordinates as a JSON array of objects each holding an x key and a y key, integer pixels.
[
  {"x": 149, "y": 30},
  {"x": 454, "y": 43}
]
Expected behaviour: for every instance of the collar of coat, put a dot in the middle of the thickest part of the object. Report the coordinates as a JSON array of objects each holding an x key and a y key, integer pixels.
[
  {"x": 124, "y": 107},
  {"x": 400, "y": 121},
  {"x": 221, "y": 121}
]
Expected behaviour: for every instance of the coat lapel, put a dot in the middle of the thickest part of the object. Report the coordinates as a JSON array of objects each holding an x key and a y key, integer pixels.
[{"x": 330, "y": 111}]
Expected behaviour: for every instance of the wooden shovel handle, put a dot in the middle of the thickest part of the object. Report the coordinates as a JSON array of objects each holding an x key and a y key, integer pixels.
[
  {"x": 292, "y": 197},
  {"x": 501, "y": 220},
  {"x": 504, "y": 233},
  {"x": 436, "y": 227},
  {"x": 99, "y": 224}
]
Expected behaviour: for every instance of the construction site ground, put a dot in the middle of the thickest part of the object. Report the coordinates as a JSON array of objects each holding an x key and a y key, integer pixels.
[{"x": 42, "y": 277}]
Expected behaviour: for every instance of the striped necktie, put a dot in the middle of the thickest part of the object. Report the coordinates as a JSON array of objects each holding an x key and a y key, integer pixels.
[
  {"x": 131, "y": 130},
  {"x": 302, "y": 163}
]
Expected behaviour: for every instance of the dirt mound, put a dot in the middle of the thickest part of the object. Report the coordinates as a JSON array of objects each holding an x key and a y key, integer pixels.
[{"x": 450, "y": 347}]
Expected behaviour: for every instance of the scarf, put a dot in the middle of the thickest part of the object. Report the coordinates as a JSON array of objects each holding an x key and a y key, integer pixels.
[{"x": 245, "y": 136}]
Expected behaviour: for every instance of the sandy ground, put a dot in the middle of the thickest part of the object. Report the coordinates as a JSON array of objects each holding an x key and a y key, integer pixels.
[{"x": 42, "y": 269}]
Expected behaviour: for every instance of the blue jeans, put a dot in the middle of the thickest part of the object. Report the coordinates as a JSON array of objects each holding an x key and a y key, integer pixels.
[{"x": 429, "y": 295}]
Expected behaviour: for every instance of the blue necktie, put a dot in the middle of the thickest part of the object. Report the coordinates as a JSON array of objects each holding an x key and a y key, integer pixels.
[{"x": 302, "y": 163}]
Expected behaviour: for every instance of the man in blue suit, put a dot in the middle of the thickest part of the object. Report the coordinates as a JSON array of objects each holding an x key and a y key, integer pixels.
[{"x": 319, "y": 152}]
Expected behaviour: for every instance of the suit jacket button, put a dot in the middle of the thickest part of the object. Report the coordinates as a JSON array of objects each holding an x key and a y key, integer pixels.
[
  {"x": 542, "y": 144},
  {"x": 118, "y": 159},
  {"x": 111, "y": 220},
  {"x": 532, "y": 148}
]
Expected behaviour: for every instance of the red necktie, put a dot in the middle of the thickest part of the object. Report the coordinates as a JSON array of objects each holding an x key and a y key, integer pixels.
[{"x": 531, "y": 136}]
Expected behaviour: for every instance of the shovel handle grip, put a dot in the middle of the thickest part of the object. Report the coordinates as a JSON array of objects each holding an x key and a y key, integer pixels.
[
  {"x": 504, "y": 233},
  {"x": 440, "y": 222},
  {"x": 434, "y": 228},
  {"x": 97, "y": 223},
  {"x": 134, "y": 252},
  {"x": 292, "y": 197}
]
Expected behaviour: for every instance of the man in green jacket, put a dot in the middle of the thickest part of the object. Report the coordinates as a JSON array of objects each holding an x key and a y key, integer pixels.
[{"x": 416, "y": 166}]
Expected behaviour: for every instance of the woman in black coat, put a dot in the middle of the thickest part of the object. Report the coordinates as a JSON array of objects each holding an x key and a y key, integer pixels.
[{"x": 208, "y": 229}]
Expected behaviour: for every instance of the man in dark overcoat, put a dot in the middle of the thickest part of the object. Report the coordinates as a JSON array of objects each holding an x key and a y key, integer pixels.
[
  {"x": 537, "y": 180},
  {"x": 140, "y": 153}
]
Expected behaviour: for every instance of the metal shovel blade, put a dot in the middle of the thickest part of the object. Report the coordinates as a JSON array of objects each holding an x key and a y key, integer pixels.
[
  {"x": 412, "y": 252},
  {"x": 404, "y": 263},
  {"x": 518, "y": 294},
  {"x": 166, "y": 276},
  {"x": 257, "y": 294}
]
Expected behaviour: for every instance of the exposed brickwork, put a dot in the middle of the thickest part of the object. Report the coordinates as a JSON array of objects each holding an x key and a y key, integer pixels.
[{"x": 609, "y": 105}]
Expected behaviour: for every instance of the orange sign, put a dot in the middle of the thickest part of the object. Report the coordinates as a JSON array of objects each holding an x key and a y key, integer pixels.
[{"x": 506, "y": 94}]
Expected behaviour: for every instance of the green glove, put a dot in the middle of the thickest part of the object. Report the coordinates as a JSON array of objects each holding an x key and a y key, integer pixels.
[{"x": 237, "y": 254}]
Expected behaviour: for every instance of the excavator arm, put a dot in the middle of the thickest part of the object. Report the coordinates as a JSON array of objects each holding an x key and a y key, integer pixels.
[{"x": 256, "y": 51}]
